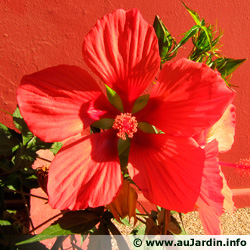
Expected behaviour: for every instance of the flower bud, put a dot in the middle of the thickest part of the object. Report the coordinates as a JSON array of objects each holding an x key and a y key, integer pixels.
[{"x": 42, "y": 176}]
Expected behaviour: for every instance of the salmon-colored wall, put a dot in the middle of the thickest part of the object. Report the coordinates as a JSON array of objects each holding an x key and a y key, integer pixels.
[{"x": 35, "y": 34}]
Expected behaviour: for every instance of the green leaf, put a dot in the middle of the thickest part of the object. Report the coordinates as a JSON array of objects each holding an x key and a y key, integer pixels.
[
  {"x": 5, "y": 223},
  {"x": 147, "y": 128},
  {"x": 50, "y": 232},
  {"x": 8, "y": 139},
  {"x": 24, "y": 157},
  {"x": 21, "y": 126},
  {"x": 11, "y": 211},
  {"x": 165, "y": 40},
  {"x": 114, "y": 98},
  {"x": 140, "y": 103},
  {"x": 227, "y": 66},
  {"x": 35, "y": 144},
  {"x": 202, "y": 42},
  {"x": 56, "y": 146},
  {"x": 29, "y": 180},
  {"x": 76, "y": 222},
  {"x": 105, "y": 123},
  {"x": 11, "y": 181},
  {"x": 208, "y": 35},
  {"x": 190, "y": 33},
  {"x": 193, "y": 14}
]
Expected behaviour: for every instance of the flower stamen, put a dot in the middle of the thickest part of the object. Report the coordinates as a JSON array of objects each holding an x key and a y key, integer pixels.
[{"x": 126, "y": 124}]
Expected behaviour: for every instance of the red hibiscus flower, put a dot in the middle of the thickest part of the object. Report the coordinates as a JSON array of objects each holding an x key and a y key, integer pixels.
[{"x": 58, "y": 103}]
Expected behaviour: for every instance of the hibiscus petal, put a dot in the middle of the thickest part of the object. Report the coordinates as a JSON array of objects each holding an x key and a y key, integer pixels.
[
  {"x": 85, "y": 172},
  {"x": 212, "y": 182},
  {"x": 168, "y": 170},
  {"x": 59, "y": 102},
  {"x": 188, "y": 98},
  {"x": 122, "y": 49},
  {"x": 228, "y": 204},
  {"x": 209, "y": 219},
  {"x": 210, "y": 201},
  {"x": 215, "y": 195},
  {"x": 224, "y": 130}
]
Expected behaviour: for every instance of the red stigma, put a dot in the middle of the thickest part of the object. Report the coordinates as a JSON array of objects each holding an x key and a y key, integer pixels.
[{"x": 126, "y": 124}]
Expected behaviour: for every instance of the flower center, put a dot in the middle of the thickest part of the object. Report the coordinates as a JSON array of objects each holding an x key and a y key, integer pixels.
[{"x": 126, "y": 124}]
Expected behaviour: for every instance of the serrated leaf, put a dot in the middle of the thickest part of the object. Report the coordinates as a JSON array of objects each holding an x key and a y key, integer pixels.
[
  {"x": 76, "y": 222},
  {"x": 140, "y": 103},
  {"x": 193, "y": 14},
  {"x": 203, "y": 41},
  {"x": 226, "y": 66},
  {"x": 8, "y": 139},
  {"x": 190, "y": 33},
  {"x": 114, "y": 98},
  {"x": 208, "y": 34},
  {"x": 217, "y": 39}
]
